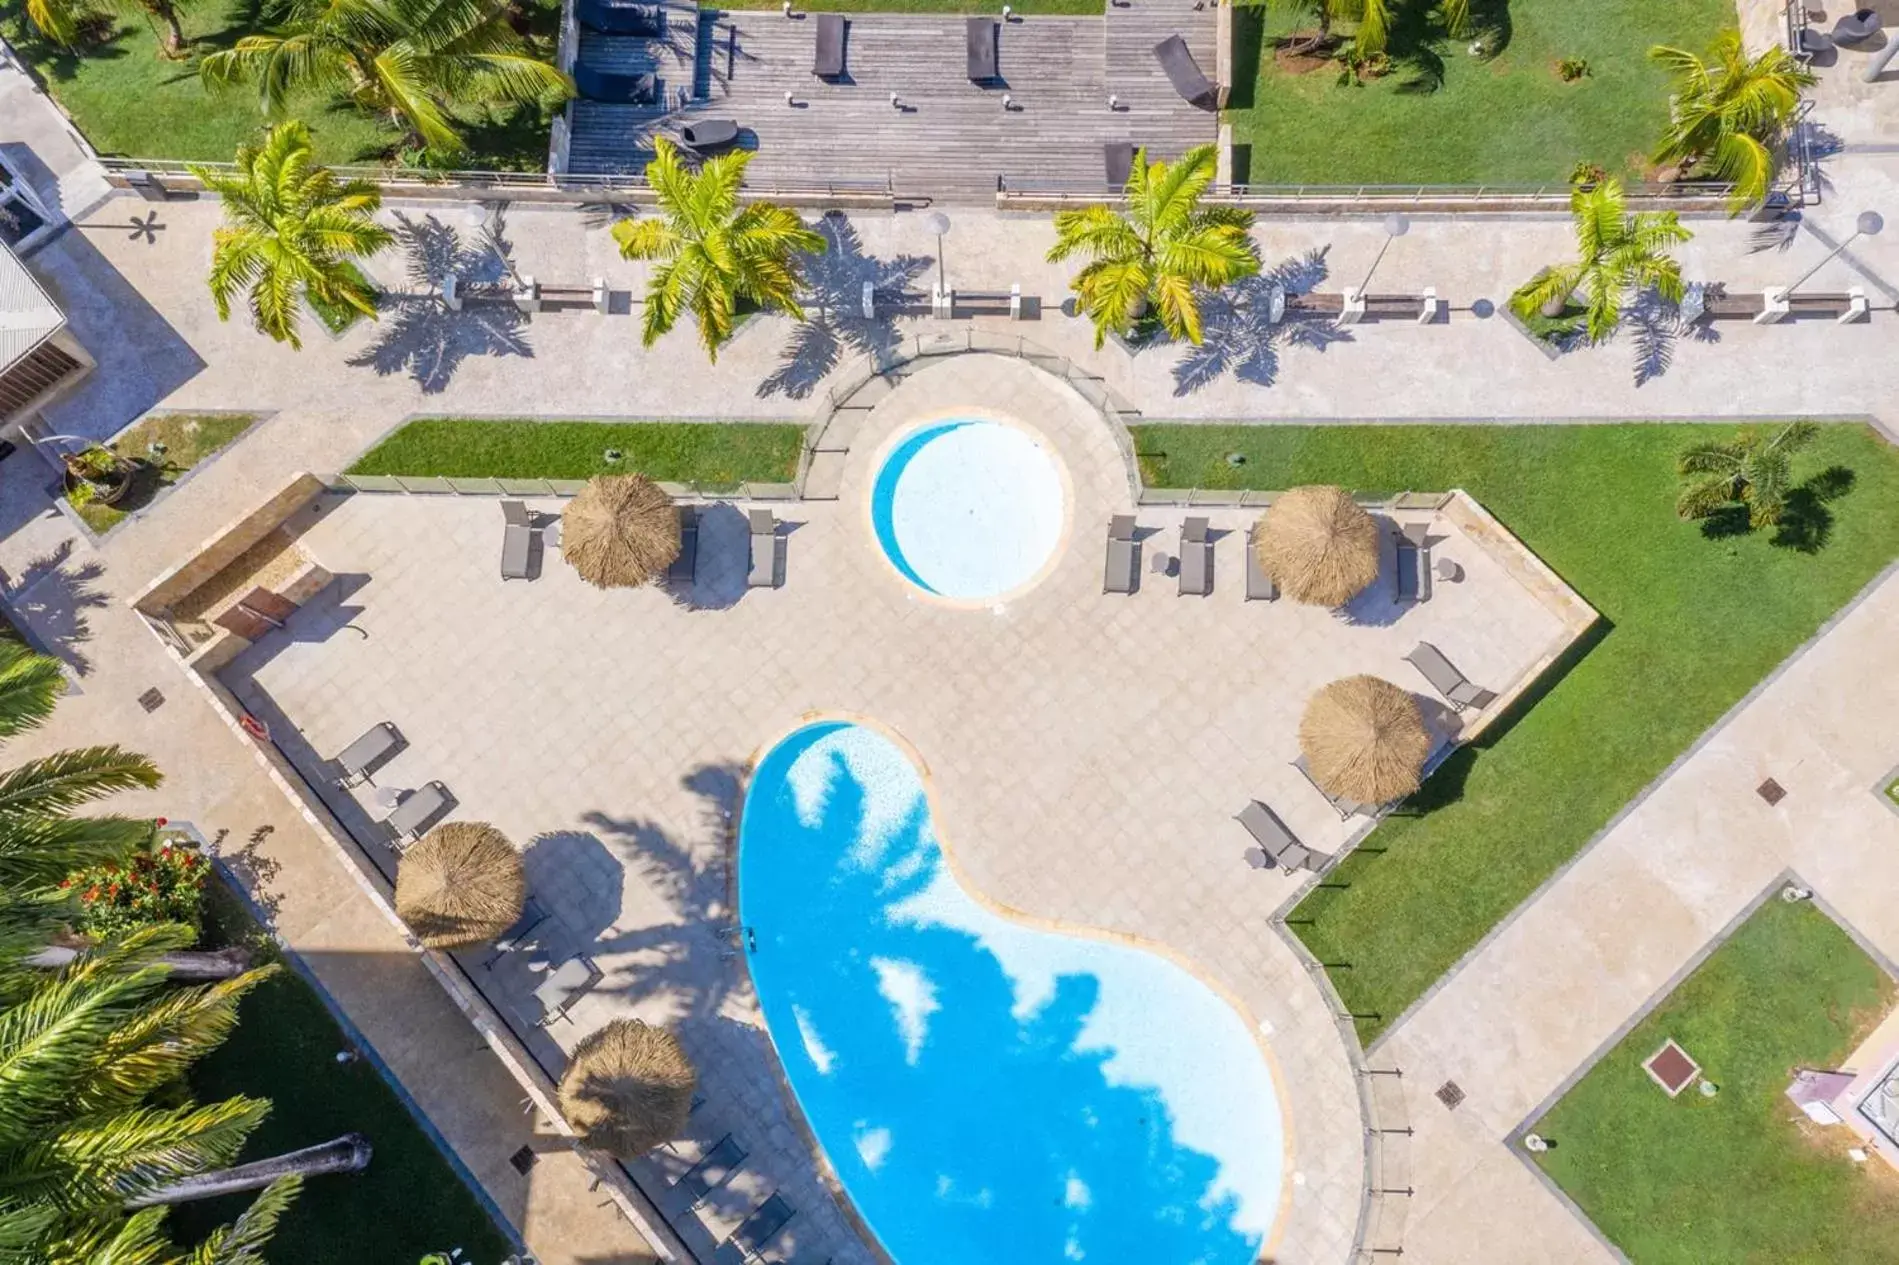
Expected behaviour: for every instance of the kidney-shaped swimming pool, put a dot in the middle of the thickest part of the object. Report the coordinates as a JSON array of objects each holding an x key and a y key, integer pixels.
[{"x": 987, "y": 1090}]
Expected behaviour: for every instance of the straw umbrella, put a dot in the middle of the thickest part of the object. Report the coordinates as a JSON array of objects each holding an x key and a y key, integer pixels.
[
  {"x": 1364, "y": 739},
  {"x": 1318, "y": 545},
  {"x": 628, "y": 1088},
  {"x": 461, "y": 885},
  {"x": 621, "y": 531}
]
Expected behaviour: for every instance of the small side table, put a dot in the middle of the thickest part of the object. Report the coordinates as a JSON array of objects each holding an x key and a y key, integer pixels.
[
  {"x": 1161, "y": 563},
  {"x": 388, "y": 796}
]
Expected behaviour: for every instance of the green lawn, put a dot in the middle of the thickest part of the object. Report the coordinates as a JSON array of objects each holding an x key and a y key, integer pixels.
[
  {"x": 131, "y": 102},
  {"x": 1509, "y": 119},
  {"x": 1689, "y": 1180},
  {"x": 1689, "y": 624},
  {"x": 190, "y": 439},
  {"x": 409, "y": 1201},
  {"x": 716, "y": 453}
]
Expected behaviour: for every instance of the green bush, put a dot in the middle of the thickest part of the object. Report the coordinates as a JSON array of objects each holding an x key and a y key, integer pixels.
[{"x": 163, "y": 883}]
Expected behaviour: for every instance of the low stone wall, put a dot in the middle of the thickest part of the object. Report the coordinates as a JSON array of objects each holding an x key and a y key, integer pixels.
[{"x": 171, "y": 588}]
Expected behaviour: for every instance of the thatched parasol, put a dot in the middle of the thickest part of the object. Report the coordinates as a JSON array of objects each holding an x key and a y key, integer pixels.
[
  {"x": 628, "y": 1088},
  {"x": 1364, "y": 739},
  {"x": 621, "y": 531},
  {"x": 1318, "y": 545},
  {"x": 461, "y": 884}
]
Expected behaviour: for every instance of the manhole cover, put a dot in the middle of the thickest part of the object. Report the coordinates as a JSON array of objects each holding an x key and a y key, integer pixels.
[
  {"x": 1771, "y": 791},
  {"x": 1449, "y": 1094},
  {"x": 523, "y": 1160},
  {"x": 151, "y": 700}
]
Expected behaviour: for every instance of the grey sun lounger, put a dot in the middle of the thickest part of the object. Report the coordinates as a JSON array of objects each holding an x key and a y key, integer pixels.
[
  {"x": 1185, "y": 74},
  {"x": 714, "y": 1169},
  {"x": 1413, "y": 572},
  {"x": 1277, "y": 844},
  {"x": 1259, "y": 585},
  {"x": 1123, "y": 574},
  {"x": 520, "y": 935},
  {"x": 1447, "y": 680},
  {"x": 980, "y": 36},
  {"x": 416, "y": 812},
  {"x": 1196, "y": 559},
  {"x": 685, "y": 566},
  {"x": 1341, "y": 805},
  {"x": 1118, "y": 162},
  {"x": 829, "y": 61},
  {"x": 766, "y": 544},
  {"x": 364, "y": 756},
  {"x": 764, "y": 1225},
  {"x": 517, "y": 534}
]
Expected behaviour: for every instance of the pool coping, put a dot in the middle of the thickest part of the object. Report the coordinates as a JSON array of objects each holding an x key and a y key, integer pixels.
[{"x": 821, "y": 1160}]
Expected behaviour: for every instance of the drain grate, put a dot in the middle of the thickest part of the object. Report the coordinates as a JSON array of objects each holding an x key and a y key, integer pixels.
[
  {"x": 1771, "y": 791},
  {"x": 1449, "y": 1094},
  {"x": 151, "y": 700},
  {"x": 523, "y": 1160}
]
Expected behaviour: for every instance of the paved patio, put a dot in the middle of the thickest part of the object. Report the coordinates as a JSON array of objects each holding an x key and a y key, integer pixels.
[{"x": 1089, "y": 750}]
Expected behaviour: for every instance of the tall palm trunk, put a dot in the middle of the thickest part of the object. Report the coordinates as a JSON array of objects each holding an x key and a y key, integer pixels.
[
  {"x": 185, "y": 967},
  {"x": 164, "y": 11},
  {"x": 347, "y": 1154}
]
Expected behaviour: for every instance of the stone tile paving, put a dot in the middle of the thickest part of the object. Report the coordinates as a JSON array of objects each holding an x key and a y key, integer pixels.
[
  {"x": 1558, "y": 983},
  {"x": 1088, "y": 750}
]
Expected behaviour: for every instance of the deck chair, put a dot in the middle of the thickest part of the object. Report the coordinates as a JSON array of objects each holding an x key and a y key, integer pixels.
[
  {"x": 1277, "y": 844},
  {"x": 1196, "y": 559},
  {"x": 1342, "y": 805},
  {"x": 416, "y": 812},
  {"x": 1413, "y": 572},
  {"x": 520, "y": 935},
  {"x": 517, "y": 538},
  {"x": 980, "y": 38},
  {"x": 1185, "y": 74},
  {"x": 764, "y": 1225},
  {"x": 363, "y": 757},
  {"x": 1259, "y": 585},
  {"x": 714, "y": 1169},
  {"x": 1123, "y": 573},
  {"x": 685, "y": 566},
  {"x": 765, "y": 546},
  {"x": 1447, "y": 680},
  {"x": 828, "y": 63}
]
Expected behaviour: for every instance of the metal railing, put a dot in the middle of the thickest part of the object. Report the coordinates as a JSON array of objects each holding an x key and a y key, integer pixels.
[
  {"x": 439, "y": 485},
  {"x": 1253, "y": 498},
  {"x": 1017, "y": 191}
]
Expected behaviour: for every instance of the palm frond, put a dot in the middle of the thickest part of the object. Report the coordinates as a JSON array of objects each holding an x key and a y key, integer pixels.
[{"x": 30, "y": 687}]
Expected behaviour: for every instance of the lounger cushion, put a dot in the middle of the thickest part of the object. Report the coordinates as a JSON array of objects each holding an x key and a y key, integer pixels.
[
  {"x": 829, "y": 60},
  {"x": 981, "y": 39},
  {"x": 1185, "y": 74}
]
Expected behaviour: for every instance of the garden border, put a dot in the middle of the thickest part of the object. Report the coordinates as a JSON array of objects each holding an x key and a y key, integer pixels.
[{"x": 96, "y": 538}]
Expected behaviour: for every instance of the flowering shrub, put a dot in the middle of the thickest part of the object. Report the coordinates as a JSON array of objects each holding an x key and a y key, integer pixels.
[{"x": 161, "y": 884}]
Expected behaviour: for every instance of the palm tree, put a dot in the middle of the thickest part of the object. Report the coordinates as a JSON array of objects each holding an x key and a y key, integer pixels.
[
  {"x": 712, "y": 252},
  {"x": 1728, "y": 109},
  {"x": 63, "y": 21},
  {"x": 1160, "y": 252},
  {"x": 291, "y": 230},
  {"x": 1752, "y": 469},
  {"x": 411, "y": 60},
  {"x": 1373, "y": 19},
  {"x": 1617, "y": 255}
]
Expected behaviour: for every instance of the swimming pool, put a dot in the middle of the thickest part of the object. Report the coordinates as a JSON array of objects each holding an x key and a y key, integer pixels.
[
  {"x": 968, "y": 508},
  {"x": 986, "y": 1090}
]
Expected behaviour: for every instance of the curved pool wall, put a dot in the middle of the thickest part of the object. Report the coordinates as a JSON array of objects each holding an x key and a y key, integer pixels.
[
  {"x": 986, "y": 1090},
  {"x": 968, "y": 508}
]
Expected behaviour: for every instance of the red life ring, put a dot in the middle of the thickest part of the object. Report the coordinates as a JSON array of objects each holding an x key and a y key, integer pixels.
[{"x": 255, "y": 727}]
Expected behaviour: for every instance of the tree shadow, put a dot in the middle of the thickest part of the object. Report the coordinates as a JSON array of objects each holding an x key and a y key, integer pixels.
[
  {"x": 1238, "y": 335},
  {"x": 52, "y": 597},
  {"x": 1657, "y": 328},
  {"x": 835, "y": 320},
  {"x": 1806, "y": 524},
  {"x": 1725, "y": 523},
  {"x": 419, "y": 334}
]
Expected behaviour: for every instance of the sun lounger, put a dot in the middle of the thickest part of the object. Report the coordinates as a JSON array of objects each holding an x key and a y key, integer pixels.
[
  {"x": 685, "y": 566},
  {"x": 1118, "y": 158},
  {"x": 517, "y": 535},
  {"x": 1277, "y": 844},
  {"x": 561, "y": 987},
  {"x": 1184, "y": 73},
  {"x": 1123, "y": 573},
  {"x": 520, "y": 935},
  {"x": 613, "y": 86},
  {"x": 364, "y": 756},
  {"x": 1259, "y": 585},
  {"x": 980, "y": 37},
  {"x": 621, "y": 19},
  {"x": 829, "y": 61},
  {"x": 764, "y": 573},
  {"x": 1447, "y": 680},
  {"x": 416, "y": 813},
  {"x": 714, "y": 1169},
  {"x": 764, "y": 1225},
  {"x": 1196, "y": 559},
  {"x": 1413, "y": 572},
  {"x": 1341, "y": 805}
]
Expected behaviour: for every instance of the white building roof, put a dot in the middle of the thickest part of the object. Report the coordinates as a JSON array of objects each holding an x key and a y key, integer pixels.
[{"x": 27, "y": 316}]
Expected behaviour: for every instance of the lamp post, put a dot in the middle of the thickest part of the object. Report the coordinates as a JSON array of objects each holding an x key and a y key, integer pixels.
[
  {"x": 939, "y": 224},
  {"x": 1867, "y": 224},
  {"x": 1396, "y": 226}
]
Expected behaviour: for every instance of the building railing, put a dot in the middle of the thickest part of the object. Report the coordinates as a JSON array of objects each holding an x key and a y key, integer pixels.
[
  {"x": 439, "y": 485},
  {"x": 1250, "y": 498},
  {"x": 1024, "y": 192}
]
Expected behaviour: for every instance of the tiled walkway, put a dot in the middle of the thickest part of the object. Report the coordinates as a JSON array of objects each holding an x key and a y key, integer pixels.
[{"x": 1088, "y": 750}]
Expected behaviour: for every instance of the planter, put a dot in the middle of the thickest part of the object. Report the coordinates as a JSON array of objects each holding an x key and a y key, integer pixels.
[{"x": 108, "y": 489}]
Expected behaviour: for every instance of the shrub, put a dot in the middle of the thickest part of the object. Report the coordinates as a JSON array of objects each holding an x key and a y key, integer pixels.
[
  {"x": 161, "y": 884},
  {"x": 1572, "y": 68}
]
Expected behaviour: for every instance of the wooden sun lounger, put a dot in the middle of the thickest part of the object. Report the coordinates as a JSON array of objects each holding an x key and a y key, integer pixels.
[
  {"x": 980, "y": 38},
  {"x": 1259, "y": 585},
  {"x": 828, "y": 63},
  {"x": 1444, "y": 677},
  {"x": 1277, "y": 845},
  {"x": 714, "y": 1169},
  {"x": 517, "y": 537},
  {"x": 416, "y": 812},
  {"x": 364, "y": 756},
  {"x": 1185, "y": 73},
  {"x": 685, "y": 566},
  {"x": 1196, "y": 559},
  {"x": 1123, "y": 572},
  {"x": 766, "y": 545},
  {"x": 765, "y": 1224}
]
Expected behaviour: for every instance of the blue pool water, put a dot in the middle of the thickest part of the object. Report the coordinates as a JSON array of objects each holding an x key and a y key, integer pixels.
[
  {"x": 967, "y": 508},
  {"x": 986, "y": 1091}
]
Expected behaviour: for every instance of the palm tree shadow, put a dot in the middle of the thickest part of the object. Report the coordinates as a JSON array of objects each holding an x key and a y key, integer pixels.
[
  {"x": 835, "y": 281},
  {"x": 419, "y": 334},
  {"x": 51, "y": 597},
  {"x": 1806, "y": 524},
  {"x": 1238, "y": 336},
  {"x": 1658, "y": 327}
]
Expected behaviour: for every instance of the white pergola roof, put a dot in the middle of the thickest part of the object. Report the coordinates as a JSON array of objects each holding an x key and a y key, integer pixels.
[{"x": 27, "y": 316}]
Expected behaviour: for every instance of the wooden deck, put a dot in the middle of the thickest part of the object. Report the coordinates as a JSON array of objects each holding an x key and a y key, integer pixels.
[{"x": 950, "y": 141}]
